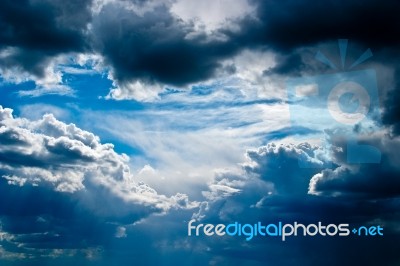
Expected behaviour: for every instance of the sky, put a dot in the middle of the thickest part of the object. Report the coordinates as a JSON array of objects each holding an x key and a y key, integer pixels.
[{"x": 122, "y": 120}]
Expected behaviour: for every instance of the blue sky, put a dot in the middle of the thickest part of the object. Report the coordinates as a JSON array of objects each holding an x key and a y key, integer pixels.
[{"x": 120, "y": 121}]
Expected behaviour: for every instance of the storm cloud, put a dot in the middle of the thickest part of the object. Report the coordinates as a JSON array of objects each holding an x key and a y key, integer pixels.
[
  {"x": 263, "y": 191},
  {"x": 152, "y": 43},
  {"x": 32, "y": 32}
]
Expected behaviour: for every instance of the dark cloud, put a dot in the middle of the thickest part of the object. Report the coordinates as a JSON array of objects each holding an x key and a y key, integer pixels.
[
  {"x": 280, "y": 164},
  {"x": 252, "y": 198},
  {"x": 376, "y": 180},
  {"x": 288, "y": 64},
  {"x": 154, "y": 47},
  {"x": 40, "y": 218},
  {"x": 38, "y": 30},
  {"x": 391, "y": 114},
  {"x": 290, "y": 24}
]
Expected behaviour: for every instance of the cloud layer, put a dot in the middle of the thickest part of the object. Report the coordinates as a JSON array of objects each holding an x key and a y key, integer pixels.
[{"x": 164, "y": 43}]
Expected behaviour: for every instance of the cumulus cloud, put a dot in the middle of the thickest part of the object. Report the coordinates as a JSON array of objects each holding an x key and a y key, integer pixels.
[
  {"x": 262, "y": 191},
  {"x": 271, "y": 171},
  {"x": 57, "y": 165},
  {"x": 296, "y": 171},
  {"x": 287, "y": 166},
  {"x": 66, "y": 157}
]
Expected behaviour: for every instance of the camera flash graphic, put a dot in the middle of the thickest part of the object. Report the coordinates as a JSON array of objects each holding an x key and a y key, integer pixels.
[{"x": 334, "y": 104}]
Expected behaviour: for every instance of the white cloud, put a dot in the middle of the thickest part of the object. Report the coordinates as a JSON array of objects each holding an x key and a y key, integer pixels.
[
  {"x": 56, "y": 89},
  {"x": 48, "y": 152},
  {"x": 138, "y": 7},
  {"x": 37, "y": 110},
  {"x": 91, "y": 63},
  {"x": 202, "y": 16},
  {"x": 210, "y": 16},
  {"x": 185, "y": 145},
  {"x": 50, "y": 82},
  {"x": 248, "y": 73},
  {"x": 240, "y": 79},
  {"x": 134, "y": 90},
  {"x": 121, "y": 232},
  {"x": 15, "y": 180}
]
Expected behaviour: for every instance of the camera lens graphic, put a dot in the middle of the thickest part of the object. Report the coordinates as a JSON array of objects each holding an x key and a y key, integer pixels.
[{"x": 359, "y": 97}]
